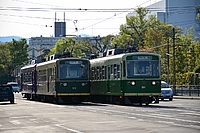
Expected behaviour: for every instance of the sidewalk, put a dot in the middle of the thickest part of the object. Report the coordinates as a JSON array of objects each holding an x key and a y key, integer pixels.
[{"x": 187, "y": 97}]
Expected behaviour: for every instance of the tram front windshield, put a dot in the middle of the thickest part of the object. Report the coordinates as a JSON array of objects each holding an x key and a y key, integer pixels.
[
  {"x": 72, "y": 71},
  {"x": 142, "y": 68}
]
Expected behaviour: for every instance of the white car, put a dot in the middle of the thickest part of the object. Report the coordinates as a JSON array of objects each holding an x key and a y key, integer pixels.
[
  {"x": 166, "y": 91},
  {"x": 15, "y": 86}
]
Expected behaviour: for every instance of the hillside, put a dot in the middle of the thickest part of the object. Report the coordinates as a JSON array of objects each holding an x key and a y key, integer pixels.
[{"x": 9, "y": 38}]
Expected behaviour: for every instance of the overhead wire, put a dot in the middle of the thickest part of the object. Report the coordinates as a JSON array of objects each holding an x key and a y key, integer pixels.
[
  {"x": 121, "y": 10},
  {"x": 35, "y": 17},
  {"x": 108, "y": 18}
]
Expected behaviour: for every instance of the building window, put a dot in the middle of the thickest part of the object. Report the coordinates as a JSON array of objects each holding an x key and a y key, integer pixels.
[
  {"x": 197, "y": 26},
  {"x": 198, "y": 14}
]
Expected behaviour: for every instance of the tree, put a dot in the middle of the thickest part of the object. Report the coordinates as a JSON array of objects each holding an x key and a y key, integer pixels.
[
  {"x": 102, "y": 44},
  {"x": 4, "y": 58},
  {"x": 122, "y": 41},
  {"x": 137, "y": 26},
  {"x": 87, "y": 47},
  {"x": 12, "y": 55},
  {"x": 67, "y": 45}
]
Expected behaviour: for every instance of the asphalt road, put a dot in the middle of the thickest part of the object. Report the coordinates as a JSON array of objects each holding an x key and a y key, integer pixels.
[{"x": 25, "y": 116}]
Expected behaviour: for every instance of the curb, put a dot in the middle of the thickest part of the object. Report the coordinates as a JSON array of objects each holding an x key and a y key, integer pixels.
[{"x": 188, "y": 97}]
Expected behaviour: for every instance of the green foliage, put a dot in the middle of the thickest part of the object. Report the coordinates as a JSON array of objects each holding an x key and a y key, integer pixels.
[
  {"x": 103, "y": 44},
  {"x": 87, "y": 47},
  {"x": 137, "y": 26},
  {"x": 12, "y": 55},
  {"x": 197, "y": 69},
  {"x": 67, "y": 45},
  {"x": 122, "y": 41},
  {"x": 194, "y": 78}
]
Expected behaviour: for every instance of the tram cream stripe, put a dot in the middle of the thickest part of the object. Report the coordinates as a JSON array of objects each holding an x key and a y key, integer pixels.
[
  {"x": 141, "y": 94},
  {"x": 72, "y": 94}
]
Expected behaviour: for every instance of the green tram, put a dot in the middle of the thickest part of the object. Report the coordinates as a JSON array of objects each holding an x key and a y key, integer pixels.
[
  {"x": 116, "y": 78},
  {"x": 62, "y": 80}
]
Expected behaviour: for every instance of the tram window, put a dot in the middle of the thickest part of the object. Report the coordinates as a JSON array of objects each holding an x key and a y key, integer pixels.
[
  {"x": 115, "y": 71},
  {"x": 95, "y": 73},
  {"x": 53, "y": 74},
  {"x": 109, "y": 72},
  {"x": 118, "y": 71},
  {"x": 112, "y": 72},
  {"x": 30, "y": 76},
  {"x": 103, "y": 72},
  {"x": 111, "y": 69},
  {"x": 73, "y": 71},
  {"x": 26, "y": 77},
  {"x": 98, "y": 77},
  {"x": 92, "y": 73},
  {"x": 43, "y": 75},
  {"x": 63, "y": 72},
  {"x": 57, "y": 71},
  {"x": 50, "y": 71},
  {"x": 147, "y": 68},
  {"x": 100, "y": 73},
  {"x": 124, "y": 69}
]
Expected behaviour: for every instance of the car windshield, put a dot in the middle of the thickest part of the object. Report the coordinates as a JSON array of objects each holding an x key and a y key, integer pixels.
[{"x": 164, "y": 85}]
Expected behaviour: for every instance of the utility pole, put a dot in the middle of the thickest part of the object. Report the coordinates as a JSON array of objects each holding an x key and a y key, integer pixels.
[
  {"x": 168, "y": 70},
  {"x": 174, "y": 61}
]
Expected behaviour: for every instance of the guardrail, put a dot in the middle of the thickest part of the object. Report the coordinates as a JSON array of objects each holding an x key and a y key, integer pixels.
[{"x": 191, "y": 90}]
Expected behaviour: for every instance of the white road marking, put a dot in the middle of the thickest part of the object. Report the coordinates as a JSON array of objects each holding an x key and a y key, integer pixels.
[
  {"x": 146, "y": 115},
  {"x": 189, "y": 114},
  {"x": 21, "y": 117},
  {"x": 69, "y": 129},
  {"x": 108, "y": 122},
  {"x": 15, "y": 122}
]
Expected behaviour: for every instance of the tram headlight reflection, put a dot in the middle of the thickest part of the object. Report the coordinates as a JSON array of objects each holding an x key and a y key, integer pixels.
[
  {"x": 83, "y": 84},
  {"x": 133, "y": 83},
  {"x": 153, "y": 82},
  {"x": 64, "y": 84}
]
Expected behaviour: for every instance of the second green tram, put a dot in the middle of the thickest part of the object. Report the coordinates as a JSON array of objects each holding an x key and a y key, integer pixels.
[{"x": 116, "y": 78}]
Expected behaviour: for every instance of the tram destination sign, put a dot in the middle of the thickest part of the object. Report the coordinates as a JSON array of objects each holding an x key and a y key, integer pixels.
[{"x": 142, "y": 57}]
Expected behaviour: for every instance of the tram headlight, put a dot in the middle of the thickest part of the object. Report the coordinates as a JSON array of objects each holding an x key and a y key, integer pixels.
[
  {"x": 64, "y": 84},
  {"x": 153, "y": 82},
  {"x": 83, "y": 84},
  {"x": 133, "y": 83}
]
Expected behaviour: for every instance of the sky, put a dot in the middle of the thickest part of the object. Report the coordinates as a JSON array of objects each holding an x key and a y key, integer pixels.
[{"x": 33, "y": 18}]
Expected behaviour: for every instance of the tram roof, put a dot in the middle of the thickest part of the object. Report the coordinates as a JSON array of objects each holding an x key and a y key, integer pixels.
[
  {"x": 55, "y": 60},
  {"x": 28, "y": 66},
  {"x": 119, "y": 56}
]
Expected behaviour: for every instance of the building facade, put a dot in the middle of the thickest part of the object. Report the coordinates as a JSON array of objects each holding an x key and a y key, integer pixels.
[
  {"x": 36, "y": 44},
  {"x": 181, "y": 13}
]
